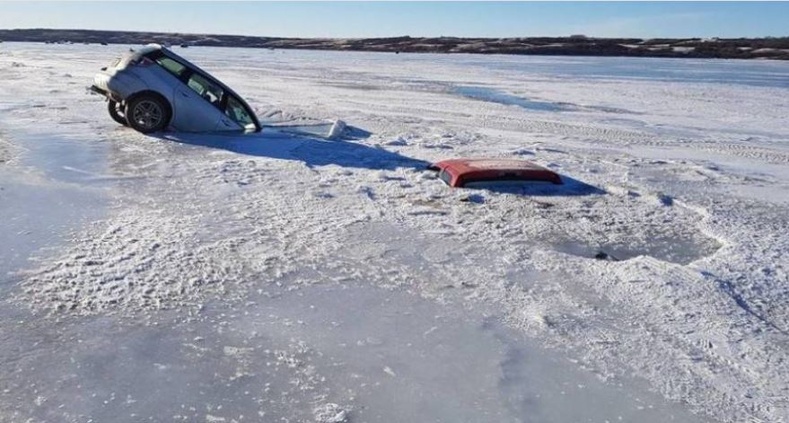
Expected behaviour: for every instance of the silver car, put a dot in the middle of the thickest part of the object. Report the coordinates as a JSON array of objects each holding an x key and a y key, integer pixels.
[{"x": 152, "y": 88}]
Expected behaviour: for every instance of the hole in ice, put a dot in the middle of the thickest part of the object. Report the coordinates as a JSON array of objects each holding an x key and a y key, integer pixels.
[
  {"x": 681, "y": 247},
  {"x": 620, "y": 227}
]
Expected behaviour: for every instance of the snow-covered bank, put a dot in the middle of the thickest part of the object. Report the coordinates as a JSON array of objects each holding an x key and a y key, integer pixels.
[{"x": 680, "y": 180}]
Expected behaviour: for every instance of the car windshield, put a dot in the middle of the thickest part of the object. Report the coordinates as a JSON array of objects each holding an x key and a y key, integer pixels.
[{"x": 236, "y": 111}]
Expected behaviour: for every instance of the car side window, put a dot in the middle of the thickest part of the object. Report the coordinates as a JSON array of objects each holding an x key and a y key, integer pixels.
[
  {"x": 235, "y": 110},
  {"x": 206, "y": 89},
  {"x": 171, "y": 66}
]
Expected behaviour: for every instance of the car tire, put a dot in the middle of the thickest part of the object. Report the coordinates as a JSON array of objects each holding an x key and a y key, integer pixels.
[
  {"x": 116, "y": 112},
  {"x": 147, "y": 113}
]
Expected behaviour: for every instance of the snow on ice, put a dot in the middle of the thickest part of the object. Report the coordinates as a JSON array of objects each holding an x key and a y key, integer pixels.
[{"x": 289, "y": 276}]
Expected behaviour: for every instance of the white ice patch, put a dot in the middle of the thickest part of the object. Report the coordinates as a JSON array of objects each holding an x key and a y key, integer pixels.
[
  {"x": 330, "y": 413},
  {"x": 5, "y": 151},
  {"x": 336, "y": 130},
  {"x": 134, "y": 264}
]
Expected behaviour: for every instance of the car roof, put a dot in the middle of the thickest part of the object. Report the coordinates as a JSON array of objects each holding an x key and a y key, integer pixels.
[{"x": 148, "y": 48}]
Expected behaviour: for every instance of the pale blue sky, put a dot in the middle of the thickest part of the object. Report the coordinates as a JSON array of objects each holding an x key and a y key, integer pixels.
[{"x": 384, "y": 19}]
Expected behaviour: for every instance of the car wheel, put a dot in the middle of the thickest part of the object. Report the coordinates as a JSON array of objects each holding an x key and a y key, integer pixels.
[
  {"x": 147, "y": 113},
  {"x": 116, "y": 112}
]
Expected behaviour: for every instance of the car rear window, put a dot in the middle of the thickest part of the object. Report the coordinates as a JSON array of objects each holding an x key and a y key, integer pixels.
[{"x": 171, "y": 65}]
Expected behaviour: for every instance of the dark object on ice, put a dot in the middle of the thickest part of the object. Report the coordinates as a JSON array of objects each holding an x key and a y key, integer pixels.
[
  {"x": 464, "y": 172},
  {"x": 602, "y": 255},
  {"x": 473, "y": 198},
  {"x": 665, "y": 200}
]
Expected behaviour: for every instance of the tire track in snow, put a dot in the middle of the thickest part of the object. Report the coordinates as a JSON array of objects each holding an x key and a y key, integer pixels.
[{"x": 767, "y": 155}]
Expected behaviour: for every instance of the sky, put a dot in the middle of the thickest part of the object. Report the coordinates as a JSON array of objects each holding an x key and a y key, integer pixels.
[{"x": 359, "y": 19}]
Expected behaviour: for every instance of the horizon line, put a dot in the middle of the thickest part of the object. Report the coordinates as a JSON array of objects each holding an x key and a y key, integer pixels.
[{"x": 579, "y": 36}]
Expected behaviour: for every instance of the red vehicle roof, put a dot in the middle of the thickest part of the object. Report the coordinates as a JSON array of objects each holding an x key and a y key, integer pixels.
[{"x": 459, "y": 172}]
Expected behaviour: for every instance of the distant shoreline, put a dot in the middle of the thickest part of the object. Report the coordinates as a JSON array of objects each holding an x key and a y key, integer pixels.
[{"x": 574, "y": 45}]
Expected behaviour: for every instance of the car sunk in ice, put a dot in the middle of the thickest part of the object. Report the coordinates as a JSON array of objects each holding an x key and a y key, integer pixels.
[{"x": 152, "y": 88}]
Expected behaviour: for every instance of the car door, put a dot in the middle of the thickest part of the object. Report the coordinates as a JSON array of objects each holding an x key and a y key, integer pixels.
[
  {"x": 189, "y": 111},
  {"x": 197, "y": 104}
]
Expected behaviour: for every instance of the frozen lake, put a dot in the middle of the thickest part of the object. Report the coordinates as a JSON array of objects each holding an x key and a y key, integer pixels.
[{"x": 283, "y": 276}]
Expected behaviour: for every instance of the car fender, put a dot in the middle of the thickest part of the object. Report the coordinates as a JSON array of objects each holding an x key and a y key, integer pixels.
[{"x": 120, "y": 85}]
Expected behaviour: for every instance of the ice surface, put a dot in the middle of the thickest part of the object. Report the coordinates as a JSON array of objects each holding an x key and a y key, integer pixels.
[
  {"x": 485, "y": 94},
  {"x": 317, "y": 353},
  {"x": 284, "y": 275},
  {"x": 44, "y": 197}
]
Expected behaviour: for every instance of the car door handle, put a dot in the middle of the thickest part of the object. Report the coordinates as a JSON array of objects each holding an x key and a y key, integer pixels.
[{"x": 183, "y": 94}]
